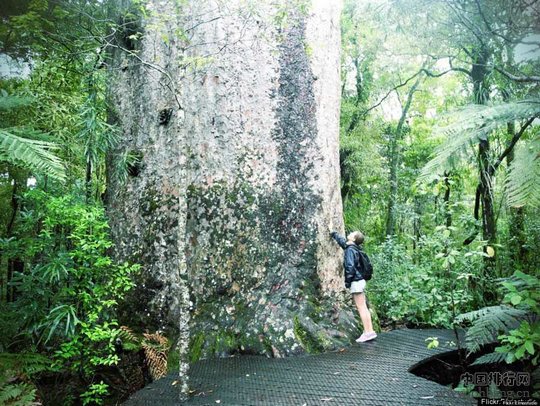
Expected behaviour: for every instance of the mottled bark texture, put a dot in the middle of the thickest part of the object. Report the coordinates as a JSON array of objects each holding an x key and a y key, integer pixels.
[{"x": 236, "y": 193}]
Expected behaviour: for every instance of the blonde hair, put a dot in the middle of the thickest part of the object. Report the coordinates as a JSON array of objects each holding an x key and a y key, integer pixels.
[{"x": 357, "y": 237}]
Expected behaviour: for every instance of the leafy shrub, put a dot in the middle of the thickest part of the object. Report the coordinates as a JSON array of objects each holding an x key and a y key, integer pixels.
[
  {"x": 428, "y": 290},
  {"x": 522, "y": 291},
  {"x": 67, "y": 296}
]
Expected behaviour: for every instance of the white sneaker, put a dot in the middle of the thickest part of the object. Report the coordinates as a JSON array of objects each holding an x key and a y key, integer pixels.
[{"x": 366, "y": 337}]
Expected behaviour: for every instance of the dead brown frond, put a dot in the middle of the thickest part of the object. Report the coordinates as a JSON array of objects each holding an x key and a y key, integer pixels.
[
  {"x": 127, "y": 334},
  {"x": 156, "y": 349}
]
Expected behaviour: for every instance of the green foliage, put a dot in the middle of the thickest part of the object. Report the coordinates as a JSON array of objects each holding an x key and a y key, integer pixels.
[
  {"x": 28, "y": 152},
  {"x": 523, "y": 292},
  {"x": 521, "y": 343},
  {"x": 421, "y": 292},
  {"x": 508, "y": 324},
  {"x": 96, "y": 394},
  {"x": 26, "y": 147},
  {"x": 20, "y": 394},
  {"x": 122, "y": 165},
  {"x": 468, "y": 389},
  {"x": 67, "y": 300},
  {"x": 469, "y": 126},
  {"x": 490, "y": 358},
  {"x": 16, "y": 388},
  {"x": 25, "y": 364},
  {"x": 488, "y": 323},
  {"x": 196, "y": 347},
  {"x": 8, "y": 102},
  {"x": 522, "y": 183},
  {"x": 432, "y": 342},
  {"x": 424, "y": 273}
]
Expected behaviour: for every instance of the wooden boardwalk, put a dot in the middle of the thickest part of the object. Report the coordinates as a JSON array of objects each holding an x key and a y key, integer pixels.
[{"x": 374, "y": 373}]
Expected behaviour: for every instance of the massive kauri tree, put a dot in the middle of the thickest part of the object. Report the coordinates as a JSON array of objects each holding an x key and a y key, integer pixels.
[{"x": 229, "y": 120}]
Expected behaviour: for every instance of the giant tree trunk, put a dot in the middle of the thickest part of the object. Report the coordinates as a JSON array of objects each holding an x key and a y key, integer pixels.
[{"x": 237, "y": 124}]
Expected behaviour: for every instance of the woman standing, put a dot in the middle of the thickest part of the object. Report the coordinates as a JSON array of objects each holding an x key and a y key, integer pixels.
[{"x": 354, "y": 279}]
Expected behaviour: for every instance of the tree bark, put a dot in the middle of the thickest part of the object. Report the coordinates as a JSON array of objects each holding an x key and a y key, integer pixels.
[
  {"x": 148, "y": 212},
  {"x": 238, "y": 190},
  {"x": 479, "y": 73},
  {"x": 446, "y": 200},
  {"x": 516, "y": 215}
]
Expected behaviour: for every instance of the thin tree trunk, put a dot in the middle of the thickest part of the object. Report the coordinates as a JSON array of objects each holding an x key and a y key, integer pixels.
[
  {"x": 479, "y": 74},
  {"x": 14, "y": 265},
  {"x": 486, "y": 180},
  {"x": 395, "y": 158},
  {"x": 446, "y": 205},
  {"x": 88, "y": 181},
  {"x": 517, "y": 221},
  {"x": 355, "y": 119}
]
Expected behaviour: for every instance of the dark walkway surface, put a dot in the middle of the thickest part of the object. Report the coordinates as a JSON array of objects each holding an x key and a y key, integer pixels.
[{"x": 374, "y": 373}]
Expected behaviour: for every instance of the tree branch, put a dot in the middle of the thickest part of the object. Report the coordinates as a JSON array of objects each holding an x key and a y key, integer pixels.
[
  {"x": 498, "y": 34},
  {"x": 520, "y": 79},
  {"x": 460, "y": 14},
  {"x": 457, "y": 69},
  {"x": 388, "y": 94}
]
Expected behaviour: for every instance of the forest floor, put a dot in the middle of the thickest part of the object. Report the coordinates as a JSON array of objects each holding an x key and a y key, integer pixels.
[{"x": 373, "y": 373}]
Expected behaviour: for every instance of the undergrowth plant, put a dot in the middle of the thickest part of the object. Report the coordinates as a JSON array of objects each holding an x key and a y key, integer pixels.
[
  {"x": 66, "y": 298},
  {"x": 513, "y": 325},
  {"x": 155, "y": 347},
  {"x": 16, "y": 374},
  {"x": 428, "y": 290}
]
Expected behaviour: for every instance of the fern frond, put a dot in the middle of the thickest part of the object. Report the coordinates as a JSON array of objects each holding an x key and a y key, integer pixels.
[
  {"x": 156, "y": 348},
  {"x": 18, "y": 147},
  {"x": 24, "y": 363},
  {"x": 469, "y": 126},
  {"x": 491, "y": 358},
  {"x": 20, "y": 394},
  {"x": 522, "y": 182},
  {"x": 130, "y": 341},
  {"x": 125, "y": 160},
  {"x": 488, "y": 323},
  {"x": 127, "y": 334}
]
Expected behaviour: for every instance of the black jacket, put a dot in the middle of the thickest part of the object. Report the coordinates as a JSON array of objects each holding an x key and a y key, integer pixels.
[{"x": 351, "y": 260}]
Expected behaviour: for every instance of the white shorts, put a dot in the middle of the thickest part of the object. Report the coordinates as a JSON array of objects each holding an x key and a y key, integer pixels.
[{"x": 358, "y": 286}]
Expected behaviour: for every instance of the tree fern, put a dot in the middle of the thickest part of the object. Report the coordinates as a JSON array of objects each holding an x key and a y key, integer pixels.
[
  {"x": 491, "y": 358},
  {"x": 488, "y": 323},
  {"x": 522, "y": 182},
  {"x": 22, "y": 146},
  {"x": 470, "y": 125}
]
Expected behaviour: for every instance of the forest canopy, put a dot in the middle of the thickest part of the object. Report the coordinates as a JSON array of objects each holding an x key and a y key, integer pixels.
[{"x": 439, "y": 163}]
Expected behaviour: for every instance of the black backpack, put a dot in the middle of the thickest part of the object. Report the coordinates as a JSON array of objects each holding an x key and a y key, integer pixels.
[{"x": 365, "y": 265}]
